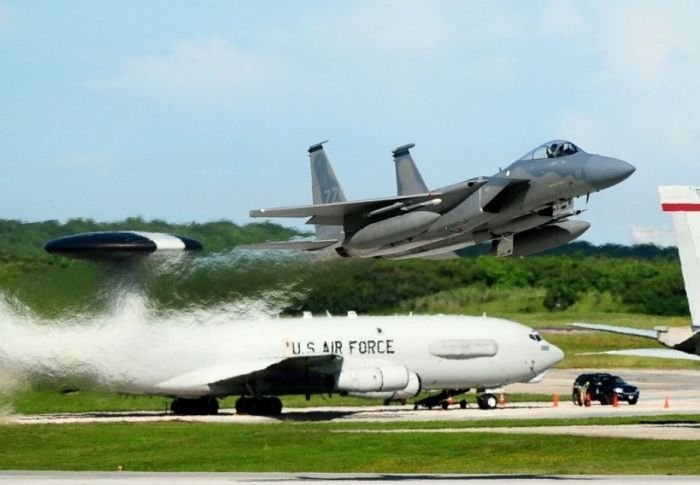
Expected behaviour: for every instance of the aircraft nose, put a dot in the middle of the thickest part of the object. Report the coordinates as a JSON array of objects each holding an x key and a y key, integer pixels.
[
  {"x": 549, "y": 356},
  {"x": 603, "y": 172},
  {"x": 556, "y": 355}
]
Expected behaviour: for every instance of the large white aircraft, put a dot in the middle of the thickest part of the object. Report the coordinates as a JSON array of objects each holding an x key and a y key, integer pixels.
[
  {"x": 382, "y": 357},
  {"x": 683, "y": 202}
]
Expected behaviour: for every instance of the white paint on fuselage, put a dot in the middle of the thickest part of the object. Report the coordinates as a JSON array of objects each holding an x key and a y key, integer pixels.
[{"x": 403, "y": 340}]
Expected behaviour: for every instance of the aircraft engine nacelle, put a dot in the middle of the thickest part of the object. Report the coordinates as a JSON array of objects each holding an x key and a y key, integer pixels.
[
  {"x": 541, "y": 238},
  {"x": 411, "y": 390},
  {"x": 385, "y": 377},
  {"x": 390, "y": 230}
]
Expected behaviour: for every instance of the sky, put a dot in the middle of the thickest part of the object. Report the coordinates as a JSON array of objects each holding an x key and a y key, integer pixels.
[{"x": 200, "y": 111}]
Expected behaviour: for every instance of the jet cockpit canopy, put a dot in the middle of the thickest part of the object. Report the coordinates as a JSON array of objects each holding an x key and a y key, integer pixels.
[{"x": 552, "y": 149}]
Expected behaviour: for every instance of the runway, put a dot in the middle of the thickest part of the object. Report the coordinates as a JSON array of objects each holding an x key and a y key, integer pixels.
[
  {"x": 681, "y": 389},
  {"x": 110, "y": 478}
]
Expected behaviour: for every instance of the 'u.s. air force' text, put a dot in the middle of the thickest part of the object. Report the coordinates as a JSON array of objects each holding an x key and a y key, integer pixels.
[{"x": 340, "y": 347}]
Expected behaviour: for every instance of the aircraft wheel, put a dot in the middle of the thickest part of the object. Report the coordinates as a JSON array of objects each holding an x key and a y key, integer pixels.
[
  {"x": 243, "y": 406},
  {"x": 487, "y": 401},
  {"x": 274, "y": 406},
  {"x": 444, "y": 405},
  {"x": 195, "y": 407},
  {"x": 463, "y": 404},
  {"x": 212, "y": 405}
]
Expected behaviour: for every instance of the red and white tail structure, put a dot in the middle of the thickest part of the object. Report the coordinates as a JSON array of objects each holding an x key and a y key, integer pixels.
[{"x": 683, "y": 202}]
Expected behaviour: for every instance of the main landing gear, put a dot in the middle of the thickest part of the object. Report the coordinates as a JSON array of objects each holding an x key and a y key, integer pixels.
[
  {"x": 442, "y": 399},
  {"x": 194, "y": 407},
  {"x": 445, "y": 398},
  {"x": 259, "y": 406}
]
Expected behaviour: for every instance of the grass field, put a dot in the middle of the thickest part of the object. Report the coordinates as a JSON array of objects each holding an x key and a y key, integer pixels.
[
  {"x": 322, "y": 448},
  {"x": 38, "y": 401}
]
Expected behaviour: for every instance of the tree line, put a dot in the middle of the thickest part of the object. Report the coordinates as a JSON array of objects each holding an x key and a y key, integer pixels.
[{"x": 640, "y": 279}]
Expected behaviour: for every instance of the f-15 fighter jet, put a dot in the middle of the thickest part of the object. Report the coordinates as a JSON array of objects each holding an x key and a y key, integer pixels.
[{"x": 523, "y": 209}]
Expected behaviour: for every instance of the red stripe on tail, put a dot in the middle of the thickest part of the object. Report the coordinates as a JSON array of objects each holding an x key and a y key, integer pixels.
[{"x": 681, "y": 207}]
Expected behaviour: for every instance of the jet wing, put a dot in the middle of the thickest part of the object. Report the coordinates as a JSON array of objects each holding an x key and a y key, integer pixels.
[
  {"x": 637, "y": 332},
  {"x": 198, "y": 381},
  {"x": 334, "y": 213},
  {"x": 314, "y": 245},
  {"x": 657, "y": 353}
]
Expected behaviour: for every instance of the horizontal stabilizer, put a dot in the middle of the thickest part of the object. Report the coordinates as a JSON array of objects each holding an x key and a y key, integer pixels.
[
  {"x": 637, "y": 332},
  {"x": 656, "y": 353},
  {"x": 293, "y": 245}
]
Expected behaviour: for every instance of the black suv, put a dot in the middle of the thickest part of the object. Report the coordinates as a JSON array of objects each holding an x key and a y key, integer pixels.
[{"x": 603, "y": 387}]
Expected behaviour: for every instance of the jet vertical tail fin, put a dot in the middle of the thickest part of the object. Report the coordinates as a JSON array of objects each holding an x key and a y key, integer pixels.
[
  {"x": 325, "y": 188},
  {"x": 408, "y": 179},
  {"x": 683, "y": 202}
]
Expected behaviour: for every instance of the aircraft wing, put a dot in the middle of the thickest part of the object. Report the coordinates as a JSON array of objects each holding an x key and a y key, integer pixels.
[
  {"x": 314, "y": 245},
  {"x": 657, "y": 353},
  {"x": 334, "y": 213},
  {"x": 199, "y": 380},
  {"x": 637, "y": 332}
]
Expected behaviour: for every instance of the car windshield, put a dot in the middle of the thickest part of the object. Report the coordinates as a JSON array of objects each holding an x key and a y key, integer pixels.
[{"x": 553, "y": 149}]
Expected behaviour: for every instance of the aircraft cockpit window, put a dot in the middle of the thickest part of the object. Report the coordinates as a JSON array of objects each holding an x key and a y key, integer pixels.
[
  {"x": 535, "y": 336},
  {"x": 553, "y": 149}
]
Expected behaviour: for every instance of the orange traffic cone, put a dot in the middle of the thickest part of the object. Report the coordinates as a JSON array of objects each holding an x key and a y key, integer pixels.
[
  {"x": 666, "y": 403},
  {"x": 555, "y": 402},
  {"x": 616, "y": 401},
  {"x": 587, "y": 401},
  {"x": 502, "y": 400}
]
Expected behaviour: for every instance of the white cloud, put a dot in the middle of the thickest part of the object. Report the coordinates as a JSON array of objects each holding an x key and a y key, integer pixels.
[
  {"x": 200, "y": 71},
  {"x": 562, "y": 18},
  {"x": 4, "y": 18},
  {"x": 661, "y": 236},
  {"x": 400, "y": 27}
]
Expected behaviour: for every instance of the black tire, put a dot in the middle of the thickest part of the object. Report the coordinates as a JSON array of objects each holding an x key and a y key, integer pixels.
[
  {"x": 633, "y": 401},
  {"x": 243, "y": 406},
  {"x": 274, "y": 406},
  {"x": 576, "y": 398},
  {"x": 487, "y": 401},
  {"x": 444, "y": 405},
  {"x": 463, "y": 404}
]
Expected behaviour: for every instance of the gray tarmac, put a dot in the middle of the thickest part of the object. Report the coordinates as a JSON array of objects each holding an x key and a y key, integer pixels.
[
  {"x": 681, "y": 389},
  {"x": 110, "y": 478}
]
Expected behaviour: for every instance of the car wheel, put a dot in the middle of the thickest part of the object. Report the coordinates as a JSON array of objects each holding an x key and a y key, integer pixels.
[
  {"x": 576, "y": 398},
  {"x": 633, "y": 401}
]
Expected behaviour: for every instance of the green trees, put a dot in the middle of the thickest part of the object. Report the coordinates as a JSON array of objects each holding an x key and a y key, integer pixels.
[{"x": 641, "y": 279}]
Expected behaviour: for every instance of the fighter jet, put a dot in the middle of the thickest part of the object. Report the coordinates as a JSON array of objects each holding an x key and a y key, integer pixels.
[
  {"x": 377, "y": 357},
  {"x": 683, "y": 202},
  {"x": 523, "y": 209}
]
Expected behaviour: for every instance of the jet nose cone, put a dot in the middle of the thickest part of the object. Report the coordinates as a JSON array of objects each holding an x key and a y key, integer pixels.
[
  {"x": 557, "y": 355},
  {"x": 603, "y": 172}
]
